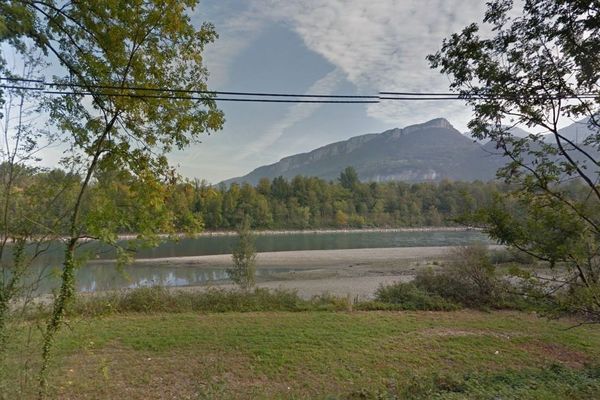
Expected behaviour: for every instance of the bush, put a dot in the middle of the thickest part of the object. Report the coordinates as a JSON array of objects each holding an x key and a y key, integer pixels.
[
  {"x": 243, "y": 272},
  {"x": 470, "y": 279},
  {"x": 159, "y": 299},
  {"x": 577, "y": 300},
  {"x": 407, "y": 296},
  {"x": 510, "y": 255}
]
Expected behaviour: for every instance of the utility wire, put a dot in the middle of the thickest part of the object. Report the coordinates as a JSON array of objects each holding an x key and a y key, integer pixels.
[
  {"x": 489, "y": 97},
  {"x": 176, "y": 97},
  {"x": 417, "y": 94},
  {"x": 169, "y": 90},
  {"x": 175, "y": 94}
]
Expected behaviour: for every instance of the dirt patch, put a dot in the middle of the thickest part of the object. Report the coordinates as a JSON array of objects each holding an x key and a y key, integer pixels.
[
  {"x": 120, "y": 373},
  {"x": 450, "y": 332},
  {"x": 556, "y": 353}
]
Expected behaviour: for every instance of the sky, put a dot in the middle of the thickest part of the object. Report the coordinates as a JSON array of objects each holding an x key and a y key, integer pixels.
[
  {"x": 347, "y": 47},
  {"x": 342, "y": 47}
]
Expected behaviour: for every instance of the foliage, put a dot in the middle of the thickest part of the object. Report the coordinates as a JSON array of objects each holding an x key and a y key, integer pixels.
[
  {"x": 243, "y": 272},
  {"x": 408, "y": 296},
  {"x": 538, "y": 69},
  {"x": 158, "y": 299},
  {"x": 511, "y": 256},
  {"x": 112, "y": 54},
  {"x": 303, "y": 203},
  {"x": 349, "y": 178},
  {"x": 472, "y": 280},
  {"x": 25, "y": 196},
  {"x": 469, "y": 280},
  {"x": 311, "y": 203}
]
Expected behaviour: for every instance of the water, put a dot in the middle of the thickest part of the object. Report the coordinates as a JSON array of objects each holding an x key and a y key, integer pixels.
[
  {"x": 208, "y": 245},
  {"x": 104, "y": 275}
]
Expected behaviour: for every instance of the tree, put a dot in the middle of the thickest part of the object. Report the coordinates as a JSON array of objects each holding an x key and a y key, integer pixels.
[
  {"x": 28, "y": 195},
  {"x": 539, "y": 69},
  {"x": 349, "y": 178},
  {"x": 114, "y": 53},
  {"x": 243, "y": 272}
]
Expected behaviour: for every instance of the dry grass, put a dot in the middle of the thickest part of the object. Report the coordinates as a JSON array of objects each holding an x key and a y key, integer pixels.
[{"x": 309, "y": 354}]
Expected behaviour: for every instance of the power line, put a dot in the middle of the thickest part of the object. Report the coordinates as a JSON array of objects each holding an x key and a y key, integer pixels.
[
  {"x": 196, "y": 98},
  {"x": 175, "y": 94},
  {"x": 417, "y": 94},
  {"x": 191, "y": 91},
  {"x": 6, "y": 78},
  {"x": 20, "y": 87},
  {"x": 489, "y": 97}
]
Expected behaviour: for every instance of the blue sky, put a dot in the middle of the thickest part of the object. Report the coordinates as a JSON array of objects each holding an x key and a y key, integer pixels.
[
  {"x": 318, "y": 47},
  {"x": 323, "y": 47}
]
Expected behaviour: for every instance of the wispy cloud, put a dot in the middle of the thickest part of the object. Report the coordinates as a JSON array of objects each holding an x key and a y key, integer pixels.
[
  {"x": 375, "y": 45},
  {"x": 294, "y": 115},
  {"x": 380, "y": 45},
  {"x": 235, "y": 34}
]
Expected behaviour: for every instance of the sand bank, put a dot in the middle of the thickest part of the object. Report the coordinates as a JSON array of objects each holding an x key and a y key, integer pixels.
[
  {"x": 354, "y": 272},
  {"x": 312, "y": 258}
]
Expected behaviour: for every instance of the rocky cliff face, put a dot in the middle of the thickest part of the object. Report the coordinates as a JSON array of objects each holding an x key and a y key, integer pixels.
[{"x": 430, "y": 151}]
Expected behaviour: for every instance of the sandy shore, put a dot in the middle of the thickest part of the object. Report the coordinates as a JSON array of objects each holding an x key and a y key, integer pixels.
[
  {"x": 354, "y": 272},
  {"x": 317, "y": 231},
  {"x": 311, "y": 258}
]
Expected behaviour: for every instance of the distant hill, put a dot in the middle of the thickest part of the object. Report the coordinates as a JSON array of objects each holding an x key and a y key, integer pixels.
[
  {"x": 431, "y": 151},
  {"x": 576, "y": 132}
]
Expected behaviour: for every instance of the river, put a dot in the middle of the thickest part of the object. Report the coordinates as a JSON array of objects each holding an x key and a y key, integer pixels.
[{"x": 99, "y": 273}]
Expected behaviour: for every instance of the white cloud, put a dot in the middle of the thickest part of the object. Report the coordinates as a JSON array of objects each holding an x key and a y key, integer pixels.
[
  {"x": 235, "y": 35},
  {"x": 377, "y": 45},
  {"x": 381, "y": 45},
  {"x": 296, "y": 113}
]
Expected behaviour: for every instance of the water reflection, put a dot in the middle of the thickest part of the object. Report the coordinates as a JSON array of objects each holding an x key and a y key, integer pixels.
[
  {"x": 94, "y": 276},
  {"x": 98, "y": 277}
]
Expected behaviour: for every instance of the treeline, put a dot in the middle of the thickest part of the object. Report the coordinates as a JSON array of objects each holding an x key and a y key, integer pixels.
[
  {"x": 312, "y": 203},
  {"x": 299, "y": 203}
]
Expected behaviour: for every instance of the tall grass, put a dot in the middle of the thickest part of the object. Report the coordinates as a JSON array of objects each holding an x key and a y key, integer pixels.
[
  {"x": 163, "y": 300},
  {"x": 470, "y": 280}
]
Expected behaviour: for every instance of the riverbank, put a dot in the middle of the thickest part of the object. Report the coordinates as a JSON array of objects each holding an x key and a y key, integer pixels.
[
  {"x": 134, "y": 236},
  {"x": 310, "y": 258},
  {"x": 316, "y": 231},
  {"x": 354, "y": 272}
]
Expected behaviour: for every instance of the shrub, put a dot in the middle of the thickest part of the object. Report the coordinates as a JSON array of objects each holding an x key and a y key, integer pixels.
[
  {"x": 576, "y": 300},
  {"x": 160, "y": 299},
  {"x": 510, "y": 255},
  {"x": 470, "y": 279},
  {"x": 407, "y": 296},
  {"x": 243, "y": 272}
]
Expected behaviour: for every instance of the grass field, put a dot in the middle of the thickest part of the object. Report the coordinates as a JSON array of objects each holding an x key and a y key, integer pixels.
[{"x": 328, "y": 355}]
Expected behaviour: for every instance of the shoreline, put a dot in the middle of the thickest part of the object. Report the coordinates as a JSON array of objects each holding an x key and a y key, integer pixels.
[
  {"x": 358, "y": 272},
  {"x": 315, "y": 231},
  {"x": 355, "y": 272},
  {"x": 309, "y": 258},
  {"x": 282, "y": 232}
]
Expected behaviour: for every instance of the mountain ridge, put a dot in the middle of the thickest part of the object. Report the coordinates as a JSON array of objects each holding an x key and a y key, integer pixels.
[{"x": 429, "y": 151}]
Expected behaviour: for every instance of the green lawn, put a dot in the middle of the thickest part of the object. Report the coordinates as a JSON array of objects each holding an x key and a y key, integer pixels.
[{"x": 463, "y": 354}]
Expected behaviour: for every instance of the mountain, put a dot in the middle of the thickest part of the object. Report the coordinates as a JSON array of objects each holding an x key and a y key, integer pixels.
[
  {"x": 576, "y": 132},
  {"x": 431, "y": 151},
  {"x": 515, "y": 131}
]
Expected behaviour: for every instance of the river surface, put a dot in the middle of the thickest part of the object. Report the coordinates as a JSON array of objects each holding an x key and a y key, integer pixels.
[{"x": 101, "y": 274}]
